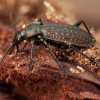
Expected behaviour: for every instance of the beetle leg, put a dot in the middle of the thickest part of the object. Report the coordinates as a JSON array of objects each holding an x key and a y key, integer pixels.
[
  {"x": 39, "y": 20},
  {"x": 11, "y": 48},
  {"x": 79, "y": 22},
  {"x": 17, "y": 49},
  {"x": 23, "y": 47},
  {"x": 56, "y": 59},
  {"x": 20, "y": 50},
  {"x": 84, "y": 54},
  {"x": 31, "y": 57}
]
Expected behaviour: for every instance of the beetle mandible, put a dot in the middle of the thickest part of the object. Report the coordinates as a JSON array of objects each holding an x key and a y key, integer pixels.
[{"x": 64, "y": 34}]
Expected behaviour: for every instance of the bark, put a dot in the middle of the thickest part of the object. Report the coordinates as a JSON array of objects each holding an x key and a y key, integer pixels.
[{"x": 47, "y": 81}]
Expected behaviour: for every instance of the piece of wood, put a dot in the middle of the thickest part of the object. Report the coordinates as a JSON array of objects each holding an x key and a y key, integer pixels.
[{"x": 47, "y": 82}]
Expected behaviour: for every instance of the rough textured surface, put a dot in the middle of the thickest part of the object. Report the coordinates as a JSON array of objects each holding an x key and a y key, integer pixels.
[{"x": 47, "y": 80}]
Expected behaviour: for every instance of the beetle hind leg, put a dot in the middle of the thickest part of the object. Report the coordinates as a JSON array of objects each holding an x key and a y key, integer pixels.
[
  {"x": 80, "y": 22},
  {"x": 92, "y": 60}
]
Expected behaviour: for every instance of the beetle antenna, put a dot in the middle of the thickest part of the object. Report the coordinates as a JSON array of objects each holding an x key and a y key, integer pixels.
[
  {"x": 12, "y": 46},
  {"x": 12, "y": 22}
]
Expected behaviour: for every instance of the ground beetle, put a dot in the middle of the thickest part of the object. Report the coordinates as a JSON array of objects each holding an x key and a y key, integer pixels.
[{"x": 66, "y": 34}]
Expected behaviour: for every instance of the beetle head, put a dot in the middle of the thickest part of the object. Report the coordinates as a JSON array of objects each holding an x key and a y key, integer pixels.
[{"x": 28, "y": 32}]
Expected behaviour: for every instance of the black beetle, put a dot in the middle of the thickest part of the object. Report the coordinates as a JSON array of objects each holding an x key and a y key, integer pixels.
[{"x": 64, "y": 34}]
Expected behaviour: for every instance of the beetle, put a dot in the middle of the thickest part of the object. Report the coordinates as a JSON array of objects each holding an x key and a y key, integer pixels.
[{"x": 64, "y": 34}]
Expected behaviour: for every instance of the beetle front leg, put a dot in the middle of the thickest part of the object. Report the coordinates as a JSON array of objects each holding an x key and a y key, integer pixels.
[
  {"x": 20, "y": 50},
  {"x": 23, "y": 47},
  {"x": 31, "y": 57},
  {"x": 80, "y": 22},
  {"x": 17, "y": 49}
]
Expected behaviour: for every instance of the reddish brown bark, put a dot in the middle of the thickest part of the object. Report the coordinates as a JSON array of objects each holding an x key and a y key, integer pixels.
[{"x": 47, "y": 82}]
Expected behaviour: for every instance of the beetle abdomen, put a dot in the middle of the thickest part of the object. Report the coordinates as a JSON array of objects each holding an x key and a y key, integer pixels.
[{"x": 67, "y": 34}]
